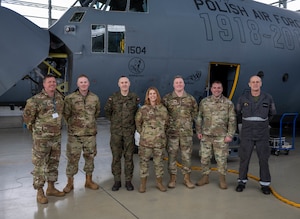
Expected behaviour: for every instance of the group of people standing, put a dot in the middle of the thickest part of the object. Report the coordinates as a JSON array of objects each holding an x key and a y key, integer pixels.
[
  {"x": 164, "y": 124},
  {"x": 43, "y": 116}
]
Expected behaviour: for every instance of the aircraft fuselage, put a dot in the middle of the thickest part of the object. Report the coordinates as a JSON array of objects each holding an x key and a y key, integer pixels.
[{"x": 201, "y": 40}]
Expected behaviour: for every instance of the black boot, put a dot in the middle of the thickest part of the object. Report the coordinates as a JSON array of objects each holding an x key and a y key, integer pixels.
[
  {"x": 129, "y": 186},
  {"x": 240, "y": 187},
  {"x": 116, "y": 186},
  {"x": 266, "y": 190}
]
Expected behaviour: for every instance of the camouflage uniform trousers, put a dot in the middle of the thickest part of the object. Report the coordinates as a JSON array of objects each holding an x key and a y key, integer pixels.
[
  {"x": 122, "y": 145},
  {"x": 76, "y": 144},
  {"x": 216, "y": 145},
  {"x": 45, "y": 158},
  {"x": 184, "y": 144},
  {"x": 145, "y": 153}
]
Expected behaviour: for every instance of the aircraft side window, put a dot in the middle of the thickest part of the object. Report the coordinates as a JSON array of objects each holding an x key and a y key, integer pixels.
[
  {"x": 118, "y": 5},
  {"x": 98, "y": 37},
  {"x": 116, "y": 38},
  {"x": 138, "y": 5},
  {"x": 134, "y": 5},
  {"x": 77, "y": 17}
]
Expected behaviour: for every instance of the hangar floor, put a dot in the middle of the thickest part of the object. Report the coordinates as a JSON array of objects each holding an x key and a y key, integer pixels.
[{"x": 18, "y": 198}]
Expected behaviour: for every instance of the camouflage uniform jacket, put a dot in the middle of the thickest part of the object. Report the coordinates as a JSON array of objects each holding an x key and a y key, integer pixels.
[
  {"x": 216, "y": 117},
  {"x": 182, "y": 111},
  {"x": 151, "y": 122},
  {"x": 39, "y": 115},
  {"x": 81, "y": 112},
  {"x": 120, "y": 110}
]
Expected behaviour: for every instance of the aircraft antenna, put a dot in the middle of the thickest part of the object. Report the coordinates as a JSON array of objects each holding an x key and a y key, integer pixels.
[{"x": 282, "y": 3}]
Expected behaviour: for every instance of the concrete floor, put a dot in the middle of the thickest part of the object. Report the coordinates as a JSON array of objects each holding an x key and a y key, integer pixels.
[{"x": 18, "y": 198}]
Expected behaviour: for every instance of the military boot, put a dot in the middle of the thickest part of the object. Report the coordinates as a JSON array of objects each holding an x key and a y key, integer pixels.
[
  {"x": 41, "y": 198},
  {"x": 116, "y": 186},
  {"x": 142, "y": 188},
  {"x": 172, "y": 182},
  {"x": 223, "y": 184},
  {"x": 159, "y": 184},
  {"x": 204, "y": 180},
  {"x": 90, "y": 184},
  {"x": 52, "y": 191},
  {"x": 70, "y": 185},
  {"x": 129, "y": 185},
  {"x": 187, "y": 181}
]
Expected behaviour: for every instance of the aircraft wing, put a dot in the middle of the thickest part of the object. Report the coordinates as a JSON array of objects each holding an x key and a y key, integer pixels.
[{"x": 23, "y": 46}]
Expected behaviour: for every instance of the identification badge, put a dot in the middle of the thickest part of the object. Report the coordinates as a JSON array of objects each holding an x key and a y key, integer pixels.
[{"x": 55, "y": 115}]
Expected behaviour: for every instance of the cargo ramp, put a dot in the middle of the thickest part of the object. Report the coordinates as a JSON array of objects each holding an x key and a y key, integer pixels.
[{"x": 23, "y": 46}]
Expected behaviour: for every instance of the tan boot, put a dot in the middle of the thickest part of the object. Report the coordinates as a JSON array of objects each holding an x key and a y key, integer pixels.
[
  {"x": 142, "y": 188},
  {"x": 204, "y": 180},
  {"x": 70, "y": 185},
  {"x": 223, "y": 184},
  {"x": 52, "y": 191},
  {"x": 159, "y": 185},
  {"x": 41, "y": 198},
  {"x": 172, "y": 182},
  {"x": 90, "y": 184},
  {"x": 187, "y": 181}
]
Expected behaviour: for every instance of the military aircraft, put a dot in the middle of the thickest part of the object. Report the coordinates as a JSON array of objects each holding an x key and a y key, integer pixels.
[{"x": 150, "y": 42}]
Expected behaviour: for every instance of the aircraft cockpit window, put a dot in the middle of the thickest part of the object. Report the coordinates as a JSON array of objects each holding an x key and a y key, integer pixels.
[
  {"x": 98, "y": 38},
  {"x": 132, "y": 5},
  {"x": 77, "y": 17},
  {"x": 138, "y": 5},
  {"x": 116, "y": 38}
]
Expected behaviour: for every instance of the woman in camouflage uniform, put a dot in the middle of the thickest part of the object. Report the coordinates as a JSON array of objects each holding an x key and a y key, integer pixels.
[{"x": 151, "y": 121}]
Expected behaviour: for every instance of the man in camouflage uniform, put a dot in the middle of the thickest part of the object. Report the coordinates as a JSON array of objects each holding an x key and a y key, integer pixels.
[
  {"x": 43, "y": 117},
  {"x": 215, "y": 127},
  {"x": 151, "y": 122},
  {"x": 120, "y": 109},
  {"x": 81, "y": 110},
  {"x": 182, "y": 108}
]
